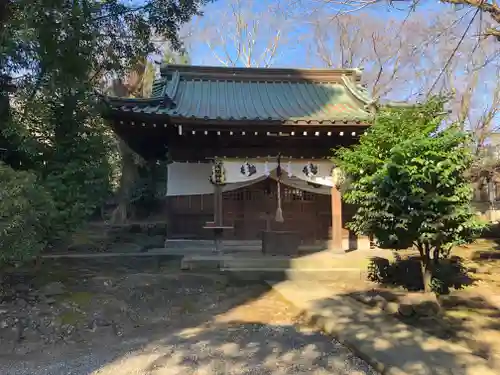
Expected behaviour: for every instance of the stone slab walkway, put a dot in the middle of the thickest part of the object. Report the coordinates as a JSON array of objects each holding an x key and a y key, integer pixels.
[{"x": 389, "y": 345}]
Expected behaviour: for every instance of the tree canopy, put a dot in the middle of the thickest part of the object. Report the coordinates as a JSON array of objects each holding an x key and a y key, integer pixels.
[
  {"x": 409, "y": 180},
  {"x": 53, "y": 54}
]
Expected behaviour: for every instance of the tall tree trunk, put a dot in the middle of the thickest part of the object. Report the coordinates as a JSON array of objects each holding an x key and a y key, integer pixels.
[
  {"x": 6, "y": 148},
  {"x": 135, "y": 86},
  {"x": 425, "y": 266},
  {"x": 128, "y": 176},
  {"x": 435, "y": 255},
  {"x": 426, "y": 275}
]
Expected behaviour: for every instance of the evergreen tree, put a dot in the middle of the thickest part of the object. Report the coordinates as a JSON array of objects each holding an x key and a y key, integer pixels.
[
  {"x": 57, "y": 52},
  {"x": 409, "y": 182}
]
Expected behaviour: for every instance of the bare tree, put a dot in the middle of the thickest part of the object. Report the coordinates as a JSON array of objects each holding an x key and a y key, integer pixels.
[
  {"x": 489, "y": 8},
  {"x": 241, "y": 35},
  {"x": 340, "y": 42},
  {"x": 470, "y": 72},
  {"x": 487, "y": 111},
  {"x": 385, "y": 49},
  {"x": 412, "y": 58}
]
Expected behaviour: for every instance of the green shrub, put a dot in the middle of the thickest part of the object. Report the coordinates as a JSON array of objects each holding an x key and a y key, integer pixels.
[
  {"x": 406, "y": 273},
  {"x": 25, "y": 212},
  {"x": 78, "y": 186},
  {"x": 378, "y": 270}
]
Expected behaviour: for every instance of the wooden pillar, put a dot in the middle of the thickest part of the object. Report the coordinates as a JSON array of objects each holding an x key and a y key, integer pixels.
[
  {"x": 218, "y": 218},
  {"x": 336, "y": 231}
]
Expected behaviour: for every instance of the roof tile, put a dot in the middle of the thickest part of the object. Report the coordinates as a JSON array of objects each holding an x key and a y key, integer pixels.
[{"x": 229, "y": 97}]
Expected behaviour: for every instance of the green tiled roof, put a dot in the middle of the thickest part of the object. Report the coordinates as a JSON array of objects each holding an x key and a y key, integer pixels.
[{"x": 246, "y": 94}]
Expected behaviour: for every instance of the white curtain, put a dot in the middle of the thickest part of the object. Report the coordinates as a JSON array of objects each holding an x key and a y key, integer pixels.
[
  {"x": 188, "y": 179},
  {"x": 238, "y": 171},
  {"x": 193, "y": 178},
  {"x": 313, "y": 171},
  {"x": 298, "y": 183}
]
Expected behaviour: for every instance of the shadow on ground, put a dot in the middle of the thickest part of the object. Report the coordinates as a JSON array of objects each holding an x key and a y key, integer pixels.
[
  {"x": 465, "y": 319},
  {"x": 193, "y": 326},
  {"x": 210, "y": 345},
  {"x": 490, "y": 241},
  {"x": 242, "y": 348},
  {"x": 212, "y": 341},
  {"x": 396, "y": 341},
  {"x": 464, "y": 316},
  {"x": 406, "y": 272}
]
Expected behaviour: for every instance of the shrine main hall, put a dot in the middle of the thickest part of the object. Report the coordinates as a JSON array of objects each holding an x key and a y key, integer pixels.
[{"x": 250, "y": 149}]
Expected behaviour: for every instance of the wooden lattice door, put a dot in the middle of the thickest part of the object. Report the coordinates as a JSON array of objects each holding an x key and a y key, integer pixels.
[{"x": 252, "y": 209}]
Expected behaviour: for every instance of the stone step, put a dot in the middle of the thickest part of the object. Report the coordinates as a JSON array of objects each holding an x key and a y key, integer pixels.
[
  {"x": 230, "y": 245},
  {"x": 297, "y": 275},
  {"x": 334, "y": 274},
  {"x": 262, "y": 263},
  {"x": 208, "y": 249},
  {"x": 233, "y": 261},
  {"x": 323, "y": 266},
  {"x": 320, "y": 261},
  {"x": 200, "y": 262},
  {"x": 210, "y": 243}
]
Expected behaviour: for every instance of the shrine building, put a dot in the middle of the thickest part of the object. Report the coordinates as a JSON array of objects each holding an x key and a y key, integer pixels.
[{"x": 250, "y": 149}]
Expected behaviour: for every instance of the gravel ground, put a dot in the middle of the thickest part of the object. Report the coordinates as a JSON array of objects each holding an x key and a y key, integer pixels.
[
  {"x": 235, "y": 348},
  {"x": 222, "y": 330}
]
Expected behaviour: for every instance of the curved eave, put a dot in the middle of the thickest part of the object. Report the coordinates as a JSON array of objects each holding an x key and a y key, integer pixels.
[
  {"x": 270, "y": 122},
  {"x": 243, "y": 122},
  {"x": 394, "y": 104},
  {"x": 117, "y": 102},
  {"x": 359, "y": 92}
]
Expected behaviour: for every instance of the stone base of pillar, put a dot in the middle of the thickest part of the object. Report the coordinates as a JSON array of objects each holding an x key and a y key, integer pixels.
[
  {"x": 350, "y": 242},
  {"x": 336, "y": 247},
  {"x": 346, "y": 239},
  {"x": 363, "y": 243}
]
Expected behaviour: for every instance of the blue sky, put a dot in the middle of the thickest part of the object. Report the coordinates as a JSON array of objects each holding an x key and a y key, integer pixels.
[
  {"x": 297, "y": 50},
  {"x": 294, "y": 54}
]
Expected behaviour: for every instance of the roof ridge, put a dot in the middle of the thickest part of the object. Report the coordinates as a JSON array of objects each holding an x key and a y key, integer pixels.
[
  {"x": 172, "y": 85},
  {"x": 259, "y": 74}
]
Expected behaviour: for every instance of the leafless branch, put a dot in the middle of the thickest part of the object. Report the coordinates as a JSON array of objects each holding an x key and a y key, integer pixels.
[
  {"x": 359, "y": 41},
  {"x": 246, "y": 39},
  {"x": 489, "y": 7},
  {"x": 454, "y": 50}
]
